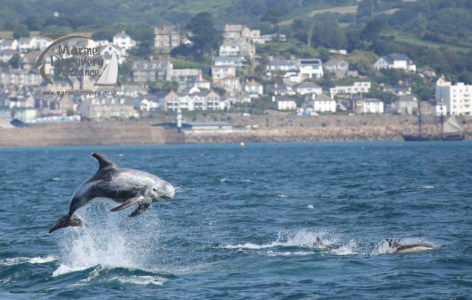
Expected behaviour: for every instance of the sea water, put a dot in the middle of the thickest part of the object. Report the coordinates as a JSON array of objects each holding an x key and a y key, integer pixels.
[{"x": 242, "y": 223}]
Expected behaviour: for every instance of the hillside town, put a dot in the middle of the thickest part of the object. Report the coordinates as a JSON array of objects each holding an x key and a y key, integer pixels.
[{"x": 289, "y": 84}]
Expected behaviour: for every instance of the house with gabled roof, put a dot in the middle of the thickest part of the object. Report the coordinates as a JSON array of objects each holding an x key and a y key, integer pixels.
[
  {"x": 284, "y": 103},
  {"x": 167, "y": 37},
  {"x": 123, "y": 41},
  {"x": 254, "y": 88},
  {"x": 406, "y": 105},
  {"x": 395, "y": 61},
  {"x": 108, "y": 51},
  {"x": 310, "y": 68},
  {"x": 339, "y": 67},
  {"x": 9, "y": 44},
  {"x": 305, "y": 88},
  {"x": 144, "y": 70},
  {"x": 193, "y": 99},
  {"x": 6, "y": 55},
  {"x": 322, "y": 103}
]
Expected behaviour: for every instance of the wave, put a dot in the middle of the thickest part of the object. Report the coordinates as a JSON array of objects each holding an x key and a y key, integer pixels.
[
  {"x": 289, "y": 253},
  {"x": 140, "y": 280},
  {"x": 13, "y": 261},
  {"x": 303, "y": 238}
]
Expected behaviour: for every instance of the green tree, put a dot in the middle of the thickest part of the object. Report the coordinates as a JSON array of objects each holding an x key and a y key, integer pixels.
[
  {"x": 33, "y": 23},
  {"x": 466, "y": 77},
  {"x": 15, "y": 61},
  {"x": 204, "y": 34},
  {"x": 372, "y": 30},
  {"x": 162, "y": 86},
  {"x": 21, "y": 31},
  {"x": 104, "y": 34},
  {"x": 144, "y": 50},
  {"x": 273, "y": 17}
]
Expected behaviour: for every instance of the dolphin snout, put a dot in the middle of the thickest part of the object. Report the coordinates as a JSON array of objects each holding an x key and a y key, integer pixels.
[{"x": 169, "y": 191}]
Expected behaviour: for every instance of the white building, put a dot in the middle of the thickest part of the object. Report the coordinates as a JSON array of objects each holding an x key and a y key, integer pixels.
[
  {"x": 310, "y": 68},
  {"x": 356, "y": 88},
  {"x": 108, "y": 51},
  {"x": 306, "y": 88},
  {"x": 194, "y": 99},
  {"x": 284, "y": 103},
  {"x": 281, "y": 66},
  {"x": 370, "y": 106},
  {"x": 6, "y": 55},
  {"x": 148, "y": 105},
  {"x": 123, "y": 40},
  {"x": 20, "y": 77},
  {"x": 220, "y": 72},
  {"x": 9, "y": 44},
  {"x": 406, "y": 105},
  {"x": 395, "y": 61},
  {"x": 41, "y": 42},
  {"x": 456, "y": 97},
  {"x": 233, "y": 61},
  {"x": 323, "y": 103},
  {"x": 167, "y": 37},
  {"x": 26, "y": 44},
  {"x": 254, "y": 88}
]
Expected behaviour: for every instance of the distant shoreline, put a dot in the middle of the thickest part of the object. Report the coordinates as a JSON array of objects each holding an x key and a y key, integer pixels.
[{"x": 280, "y": 128}]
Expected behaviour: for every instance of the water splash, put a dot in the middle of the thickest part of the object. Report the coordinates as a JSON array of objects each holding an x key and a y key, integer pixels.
[
  {"x": 112, "y": 240},
  {"x": 27, "y": 260},
  {"x": 302, "y": 238}
]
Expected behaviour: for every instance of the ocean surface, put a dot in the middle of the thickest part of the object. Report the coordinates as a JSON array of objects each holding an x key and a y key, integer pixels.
[{"x": 243, "y": 223}]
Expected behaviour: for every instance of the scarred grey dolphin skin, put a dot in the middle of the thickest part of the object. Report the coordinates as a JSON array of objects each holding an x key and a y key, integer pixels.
[{"x": 124, "y": 186}]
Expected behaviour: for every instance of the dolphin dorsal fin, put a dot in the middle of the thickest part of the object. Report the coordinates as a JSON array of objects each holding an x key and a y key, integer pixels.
[{"x": 103, "y": 160}]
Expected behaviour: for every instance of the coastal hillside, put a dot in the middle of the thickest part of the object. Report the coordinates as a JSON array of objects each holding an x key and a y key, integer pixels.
[
  {"x": 86, "y": 15},
  {"x": 440, "y": 23}
]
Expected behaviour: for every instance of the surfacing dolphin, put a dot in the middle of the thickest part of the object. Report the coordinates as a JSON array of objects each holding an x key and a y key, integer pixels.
[
  {"x": 124, "y": 186},
  {"x": 410, "y": 248}
]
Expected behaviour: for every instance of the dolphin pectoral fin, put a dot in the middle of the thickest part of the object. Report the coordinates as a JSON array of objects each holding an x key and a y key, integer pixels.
[
  {"x": 67, "y": 221},
  {"x": 142, "y": 207},
  {"x": 127, "y": 203}
]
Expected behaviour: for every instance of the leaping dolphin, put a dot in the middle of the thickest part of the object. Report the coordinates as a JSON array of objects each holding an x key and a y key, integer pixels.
[{"x": 124, "y": 186}]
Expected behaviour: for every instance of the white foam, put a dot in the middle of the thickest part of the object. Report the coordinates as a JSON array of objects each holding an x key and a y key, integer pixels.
[
  {"x": 281, "y": 196},
  {"x": 140, "y": 280},
  {"x": 27, "y": 260},
  {"x": 111, "y": 240},
  {"x": 301, "y": 238},
  {"x": 251, "y": 246},
  {"x": 289, "y": 253},
  {"x": 348, "y": 249},
  {"x": 310, "y": 206}
]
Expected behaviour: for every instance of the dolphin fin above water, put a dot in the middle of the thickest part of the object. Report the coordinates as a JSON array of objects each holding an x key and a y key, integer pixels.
[
  {"x": 128, "y": 203},
  {"x": 142, "y": 207},
  {"x": 103, "y": 161},
  {"x": 67, "y": 221}
]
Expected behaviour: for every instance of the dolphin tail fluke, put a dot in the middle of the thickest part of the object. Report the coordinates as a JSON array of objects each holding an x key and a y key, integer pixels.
[{"x": 67, "y": 221}]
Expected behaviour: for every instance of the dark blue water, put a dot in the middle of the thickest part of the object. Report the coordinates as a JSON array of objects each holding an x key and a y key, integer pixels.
[{"x": 242, "y": 223}]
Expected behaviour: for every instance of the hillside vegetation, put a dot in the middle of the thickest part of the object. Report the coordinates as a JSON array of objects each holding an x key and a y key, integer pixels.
[{"x": 434, "y": 33}]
